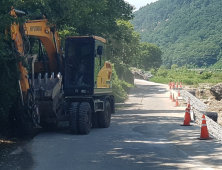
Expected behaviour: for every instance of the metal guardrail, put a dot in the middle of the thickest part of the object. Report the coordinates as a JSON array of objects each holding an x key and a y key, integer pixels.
[{"x": 194, "y": 102}]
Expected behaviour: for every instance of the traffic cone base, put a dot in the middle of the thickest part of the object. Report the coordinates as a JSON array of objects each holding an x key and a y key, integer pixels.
[{"x": 205, "y": 138}]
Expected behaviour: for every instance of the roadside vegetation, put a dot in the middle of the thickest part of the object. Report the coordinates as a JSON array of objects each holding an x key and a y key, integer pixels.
[{"x": 187, "y": 76}]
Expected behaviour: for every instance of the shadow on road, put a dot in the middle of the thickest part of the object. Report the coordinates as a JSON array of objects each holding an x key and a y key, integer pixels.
[{"x": 179, "y": 139}]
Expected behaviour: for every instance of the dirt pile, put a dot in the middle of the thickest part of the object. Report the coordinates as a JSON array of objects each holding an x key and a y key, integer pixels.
[
  {"x": 140, "y": 74},
  {"x": 213, "y": 104}
]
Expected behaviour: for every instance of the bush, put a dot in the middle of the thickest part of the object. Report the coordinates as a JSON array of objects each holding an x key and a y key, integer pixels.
[
  {"x": 9, "y": 82},
  {"x": 124, "y": 73},
  {"x": 153, "y": 71},
  {"x": 160, "y": 80},
  {"x": 205, "y": 75},
  {"x": 120, "y": 87},
  {"x": 187, "y": 76},
  {"x": 162, "y": 72},
  {"x": 118, "y": 91},
  {"x": 188, "y": 82}
]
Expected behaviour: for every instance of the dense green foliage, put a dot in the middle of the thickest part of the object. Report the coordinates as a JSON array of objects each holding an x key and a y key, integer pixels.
[
  {"x": 149, "y": 57},
  {"x": 187, "y": 76},
  {"x": 8, "y": 67},
  {"x": 123, "y": 44},
  {"x": 120, "y": 87},
  {"x": 187, "y": 31},
  {"x": 96, "y": 17}
]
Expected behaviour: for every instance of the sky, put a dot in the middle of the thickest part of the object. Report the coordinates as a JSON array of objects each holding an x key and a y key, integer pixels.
[{"x": 140, "y": 3}]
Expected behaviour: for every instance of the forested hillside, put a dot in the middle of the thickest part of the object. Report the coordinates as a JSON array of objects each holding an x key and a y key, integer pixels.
[{"x": 187, "y": 31}]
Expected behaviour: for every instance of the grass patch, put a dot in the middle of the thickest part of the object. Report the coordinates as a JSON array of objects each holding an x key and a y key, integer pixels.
[{"x": 186, "y": 76}]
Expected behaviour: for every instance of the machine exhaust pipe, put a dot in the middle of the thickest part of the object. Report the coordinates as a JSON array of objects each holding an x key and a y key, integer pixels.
[{"x": 19, "y": 12}]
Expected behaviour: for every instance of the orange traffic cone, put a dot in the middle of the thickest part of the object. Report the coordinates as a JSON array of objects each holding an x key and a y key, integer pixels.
[
  {"x": 170, "y": 96},
  {"x": 173, "y": 100},
  {"x": 204, "y": 135},
  {"x": 170, "y": 85},
  {"x": 178, "y": 93},
  {"x": 173, "y": 85},
  {"x": 188, "y": 104},
  {"x": 188, "y": 101},
  {"x": 186, "y": 121},
  {"x": 177, "y": 103},
  {"x": 180, "y": 85},
  {"x": 176, "y": 85},
  {"x": 188, "y": 110}
]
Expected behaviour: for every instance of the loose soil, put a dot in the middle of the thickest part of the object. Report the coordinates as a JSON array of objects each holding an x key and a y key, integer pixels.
[{"x": 203, "y": 93}]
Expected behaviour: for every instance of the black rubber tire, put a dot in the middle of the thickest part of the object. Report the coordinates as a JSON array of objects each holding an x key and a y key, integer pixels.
[
  {"x": 85, "y": 118},
  {"x": 104, "y": 117},
  {"x": 73, "y": 118}
]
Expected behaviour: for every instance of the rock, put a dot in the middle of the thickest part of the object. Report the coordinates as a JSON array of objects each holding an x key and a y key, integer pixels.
[
  {"x": 211, "y": 98},
  {"x": 192, "y": 91},
  {"x": 216, "y": 91},
  {"x": 206, "y": 102},
  {"x": 137, "y": 75}
]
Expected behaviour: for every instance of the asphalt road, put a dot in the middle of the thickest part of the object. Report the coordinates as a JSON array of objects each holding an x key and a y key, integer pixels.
[{"x": 145, "y": 133}]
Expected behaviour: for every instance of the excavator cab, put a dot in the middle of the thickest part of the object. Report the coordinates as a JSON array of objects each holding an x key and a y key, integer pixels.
[
  {"x": 87, "y": 85},
  {"x": 79, "y": 78}
]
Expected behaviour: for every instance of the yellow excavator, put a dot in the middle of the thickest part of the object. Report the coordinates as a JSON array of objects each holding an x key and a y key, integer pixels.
[
  {"x": 40, "y": 87},
  {"x": 74, "y": 87}
]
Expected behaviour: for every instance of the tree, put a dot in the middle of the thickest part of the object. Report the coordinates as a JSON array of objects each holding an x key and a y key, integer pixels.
[
  {"x": 96, "y": 17},
  {"x": 8, "y": 68},
  {"x": 123, "y": 45},
  {"x": 149, "y": 57}
]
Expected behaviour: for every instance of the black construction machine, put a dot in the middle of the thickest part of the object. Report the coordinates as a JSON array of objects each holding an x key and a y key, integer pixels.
[{"x": 87, "y": 84}]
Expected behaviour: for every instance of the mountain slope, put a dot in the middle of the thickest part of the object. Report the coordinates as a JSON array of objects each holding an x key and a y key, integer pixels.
[{"x": 187, "y": 31}]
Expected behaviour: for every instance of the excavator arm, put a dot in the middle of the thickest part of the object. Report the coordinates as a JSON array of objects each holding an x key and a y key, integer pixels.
[
  {"x": 16, "y": 36},
  {"x": 49, "y": 38},
  {"x": 43, "y": 89}
]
